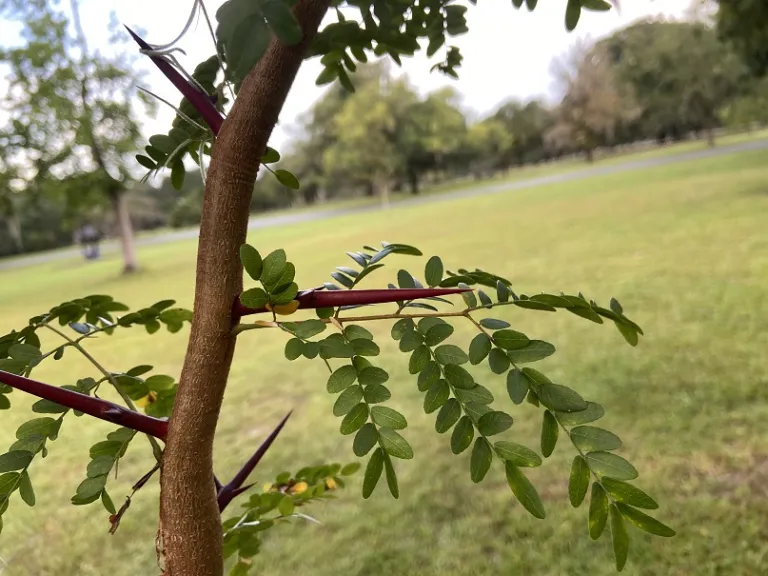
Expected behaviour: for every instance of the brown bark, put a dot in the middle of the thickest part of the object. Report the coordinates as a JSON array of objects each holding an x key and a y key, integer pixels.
[
  {"x": 190, "y": 524},
  {"x": 125, "y": 231},
  {"x": 384, "y": 193},
  {"x": 13, "y": 224},
  {"x": 710, "y": 137}
]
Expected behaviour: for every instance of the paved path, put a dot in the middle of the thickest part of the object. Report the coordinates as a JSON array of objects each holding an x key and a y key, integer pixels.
[{"x": 488, "y": 188}]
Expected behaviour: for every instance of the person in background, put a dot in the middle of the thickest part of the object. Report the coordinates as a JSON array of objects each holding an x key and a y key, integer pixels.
[{"x": 89, "y": 237}]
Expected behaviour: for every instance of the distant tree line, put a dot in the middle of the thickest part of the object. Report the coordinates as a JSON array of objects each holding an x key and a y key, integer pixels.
[{"x": 654, "y": 80}]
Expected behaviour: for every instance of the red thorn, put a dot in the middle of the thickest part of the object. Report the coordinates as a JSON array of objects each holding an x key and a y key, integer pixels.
[
  {"x": 228, "y": 492},
  {"x": 96, "y": 407},
  {"x": 200, "y": 100},
  {"x": 334, "y": 298}
]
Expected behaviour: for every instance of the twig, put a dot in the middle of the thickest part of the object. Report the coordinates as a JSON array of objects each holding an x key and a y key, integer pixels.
[{"x": 156, "y": 450}]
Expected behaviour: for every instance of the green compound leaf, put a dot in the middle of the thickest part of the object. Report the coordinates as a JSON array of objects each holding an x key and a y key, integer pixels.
[
  {"x": 511, "y": 339},
  {"x": 458, "y": 377},
  {"x": 479, "y": 348},
  {"x": 365, "y": 439},
  {"x": 373, "y": 472},
  {"x": 462, "y": 435},
  {"x": 254, "y": 298},
  {"x": 15, "y": 460},
  {"x": 347, "y": 400},
  {"x": 389, "y": 471},
  {"x": 549, "y": 433},
  {"x": 644, "y": 522},
  {"x": 251, "y": 260},
  {"x": 493, "y": 324},
  {"x": 578, "y": 481},
  {"x": 341, "y": 379},
  {"x": 590, "y": 414},
  {"x": 376, "y": 394},
  {"x": 517, "y": 386},
  {"x": 287, "y": 179},
  {"x": 428, "y": 376},
  {"x": 598, "y": 511},
  {"x": 481, "y": 459},
  {"x": 388, "y": 417},
  {"x": 628, "y": 494},
  {"x": 560, "y": 398},
  {"x": 282, "y": 21},
  {"x": 355, "y": 419},
  {"x": 592, "y": 438},
  {"x": 448, "y": 416},
  {"x": 535, "y": 350},
  {"x": 619, "y": 538},
  {"x": 450, "y": 354},
  {"x": 524, "y": 491},
  {"x": 478, "y": 394},
  {"x": 611, "y": 466},
  {"x": 394, "y": 444},
  {"x": 436, "y": 396},
  {"x": 294, "y": 348},
  {"x": 433, "y": 271},
  {"x": 372, "y": 375},
  {"x": 498, "y": 361},
  {"x": 517, "y": 454},
  {"x": 437, "y": 334},
  {"x": 494, "y": 422},
  {"x": 419, "y": 359}
]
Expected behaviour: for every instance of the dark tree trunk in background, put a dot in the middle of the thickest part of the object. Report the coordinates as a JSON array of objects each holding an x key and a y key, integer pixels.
[
  {"x": 125, "y": 230},
  {"x": 309, "y": 193},
  {"x": 710, "y": 137},
  {"x": 14, "y": 231},
  {"x": 590, "y": 155},
  {"x": 413, "y": 181}
]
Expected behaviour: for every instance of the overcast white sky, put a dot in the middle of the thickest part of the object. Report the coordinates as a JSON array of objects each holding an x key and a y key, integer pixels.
[{"x": 507, "y": 52}]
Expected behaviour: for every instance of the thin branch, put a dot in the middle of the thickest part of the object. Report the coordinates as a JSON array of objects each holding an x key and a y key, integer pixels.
[
  {"x": 187, "y": 26},
  {"x": 475, "y": 322},
  {"x": 218, "y": 55},
  {"x": 396, "y": 316},
  {"x": 114, "y": 520},
  {"x": 156, "y": 450},
  {"x": 235, "y": 486},
  {"x": 178, "y": 111}
]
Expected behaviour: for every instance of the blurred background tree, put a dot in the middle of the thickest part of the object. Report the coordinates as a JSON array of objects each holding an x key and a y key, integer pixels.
[{"x": 66, "y": 148}]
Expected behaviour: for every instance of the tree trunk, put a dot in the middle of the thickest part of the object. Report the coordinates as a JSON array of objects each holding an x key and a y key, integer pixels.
[
  {"x": 14, "y": 231},
  {"x": 413, "y": 181},
  {"x": 710, "y": 137},
  {"x": 125, "y": 230},
  {"x": 190, "y": 537},
  {"x": 590, "y": 155},
  {"x": 384, "y": 193}
]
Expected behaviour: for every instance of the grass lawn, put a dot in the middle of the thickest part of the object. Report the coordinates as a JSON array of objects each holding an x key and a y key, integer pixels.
[{"x": 683, "y": 247}]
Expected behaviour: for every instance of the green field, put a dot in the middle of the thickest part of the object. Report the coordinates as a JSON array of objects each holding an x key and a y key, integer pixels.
[{"x": 683, "y": 247}]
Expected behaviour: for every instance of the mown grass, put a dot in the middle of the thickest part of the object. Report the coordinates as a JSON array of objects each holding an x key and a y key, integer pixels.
[{"x": 682, "y": 246}]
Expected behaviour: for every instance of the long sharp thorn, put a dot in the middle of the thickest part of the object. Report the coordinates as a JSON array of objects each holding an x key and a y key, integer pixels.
[
  {"x": 201, "y": 101},
  {"x": 228, "y": 492},
  {"x": 96, "y": 407},
  {"x": 334, "y": 298}
]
